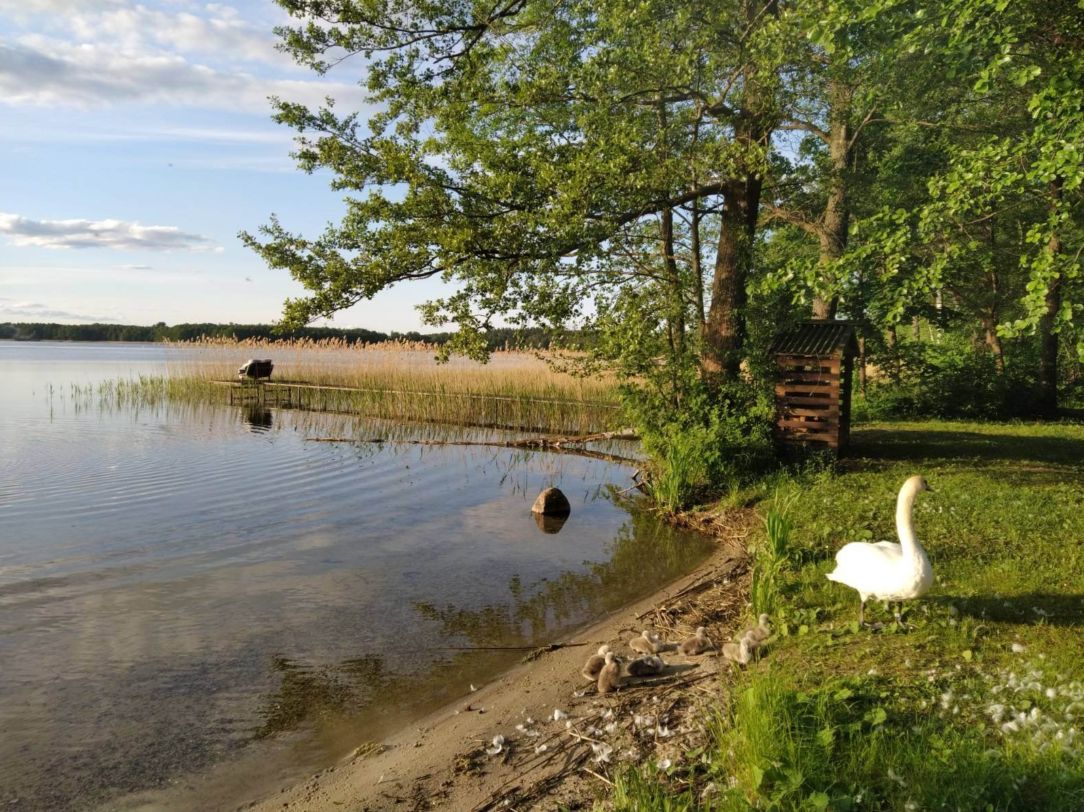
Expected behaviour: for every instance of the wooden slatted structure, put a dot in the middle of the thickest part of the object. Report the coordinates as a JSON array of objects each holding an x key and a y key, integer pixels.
[{"x": 813, "y": 384}]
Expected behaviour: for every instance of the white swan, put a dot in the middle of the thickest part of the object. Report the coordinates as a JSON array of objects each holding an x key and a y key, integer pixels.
[{"x": 885, "y": 570}]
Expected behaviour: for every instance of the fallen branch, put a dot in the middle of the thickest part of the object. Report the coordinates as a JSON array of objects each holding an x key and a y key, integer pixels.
[
  {"x": 539, "y": 649},
  {"x": 567, "y": 445}
]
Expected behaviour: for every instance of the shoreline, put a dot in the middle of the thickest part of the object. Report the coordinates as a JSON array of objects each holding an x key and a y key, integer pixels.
[{"x": 440, "y": 761}]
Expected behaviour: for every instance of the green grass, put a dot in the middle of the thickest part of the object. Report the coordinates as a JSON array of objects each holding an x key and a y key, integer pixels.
[{"x": 926, "y": 717}]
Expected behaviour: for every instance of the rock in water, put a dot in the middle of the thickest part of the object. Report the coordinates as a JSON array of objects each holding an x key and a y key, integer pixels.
[{"x": 551, "y": 502}]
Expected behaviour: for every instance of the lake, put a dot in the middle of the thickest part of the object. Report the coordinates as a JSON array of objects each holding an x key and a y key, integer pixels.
[{"x": 199, "y": 602}]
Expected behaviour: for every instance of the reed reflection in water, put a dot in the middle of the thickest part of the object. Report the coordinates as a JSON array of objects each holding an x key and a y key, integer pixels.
[{"x": 184, "y": 587}]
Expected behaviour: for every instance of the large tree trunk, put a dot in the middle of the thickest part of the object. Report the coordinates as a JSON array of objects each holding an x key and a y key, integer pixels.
[
  {"x": 1048, "y": 336},
  {"x": 725, "y": 336},
  {"x": 724, "y": 339},
  {"x": 696, "y": 266},
  {"x": 676, "y": 316},
  {"x": 837, "y": 214}
]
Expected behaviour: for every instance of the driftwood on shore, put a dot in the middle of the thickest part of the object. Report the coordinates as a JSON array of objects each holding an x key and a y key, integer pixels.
[{"x": 574, "y": 444}]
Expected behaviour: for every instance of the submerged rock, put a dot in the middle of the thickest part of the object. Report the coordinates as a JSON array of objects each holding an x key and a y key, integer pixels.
[{"x": 551, "y": 502}]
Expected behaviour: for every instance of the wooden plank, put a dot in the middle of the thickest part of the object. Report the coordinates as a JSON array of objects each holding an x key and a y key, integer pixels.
[
  {"x": 812, "y": 436},
  {"x": 805, "y": 390},
  {"x": 784, "y": 370},
  {"x": 827, "y": 367},
  {"x": 801, "y": 423},
  {"x": 807, "y": 412},
  {"x": 808, "y": 378},
  {"x": 806, "y": 399}
]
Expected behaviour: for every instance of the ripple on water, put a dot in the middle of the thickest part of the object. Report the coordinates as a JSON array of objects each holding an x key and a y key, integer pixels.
[{"x": 180, "y": 592}]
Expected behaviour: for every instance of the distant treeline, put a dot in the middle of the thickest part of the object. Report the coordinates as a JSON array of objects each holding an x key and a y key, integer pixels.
[{"x": 499, "y": 338}]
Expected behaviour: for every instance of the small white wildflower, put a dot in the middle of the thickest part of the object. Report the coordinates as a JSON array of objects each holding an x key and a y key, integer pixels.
[
  {"x": 611, "y": 727},
  {"x": 663, "y": 732},
  {"x": 665, "y": 764},
  {"x": 1051, "y": 693},
  {"x": 910, "y": 806},
  {"x": 1010, "y": 727},
  {"x": 1018, "y": 648},
  {"x": 559, "y": 714}
]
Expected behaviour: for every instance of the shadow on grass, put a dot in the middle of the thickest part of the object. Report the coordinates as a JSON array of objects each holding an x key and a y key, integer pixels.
[
  {"x": 918, "y": 444},
  {"x": 1033, "y": 608}
]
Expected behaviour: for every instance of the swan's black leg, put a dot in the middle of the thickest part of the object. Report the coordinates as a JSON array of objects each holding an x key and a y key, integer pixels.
[
  {"x": 862, "y": 618},
  {"x": 899, "y": 616}
]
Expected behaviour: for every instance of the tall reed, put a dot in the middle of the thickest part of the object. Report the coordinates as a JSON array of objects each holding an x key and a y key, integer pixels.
[{"x": 401, "y": 380}]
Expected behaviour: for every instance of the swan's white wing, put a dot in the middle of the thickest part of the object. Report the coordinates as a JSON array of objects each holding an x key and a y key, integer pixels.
[
  {"x": 872, "y": 569},
  {"x": 892, "y": 547}
]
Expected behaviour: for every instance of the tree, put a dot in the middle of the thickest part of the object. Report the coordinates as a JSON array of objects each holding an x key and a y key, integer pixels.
[{"x": 520, "y": 145}]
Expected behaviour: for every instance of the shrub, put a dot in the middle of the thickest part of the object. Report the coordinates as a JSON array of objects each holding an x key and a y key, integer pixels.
[{"x": 710, "y": 444}]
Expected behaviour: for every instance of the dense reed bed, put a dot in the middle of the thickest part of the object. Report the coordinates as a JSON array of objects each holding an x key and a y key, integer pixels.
[{"x": 399, "y": 380}]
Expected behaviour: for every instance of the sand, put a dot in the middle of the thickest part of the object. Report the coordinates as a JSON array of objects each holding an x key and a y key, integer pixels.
[{"x": 442, "y": 761}]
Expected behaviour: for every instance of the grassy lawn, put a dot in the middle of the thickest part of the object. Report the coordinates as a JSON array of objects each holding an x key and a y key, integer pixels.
[{"x": 979, "y": 703}]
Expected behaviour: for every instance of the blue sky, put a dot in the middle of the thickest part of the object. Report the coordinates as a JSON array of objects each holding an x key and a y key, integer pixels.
[{"x": 135, "y": 142}]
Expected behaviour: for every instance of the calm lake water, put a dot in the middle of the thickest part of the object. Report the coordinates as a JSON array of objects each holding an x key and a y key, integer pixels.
[{"x": 199, "y": 603}]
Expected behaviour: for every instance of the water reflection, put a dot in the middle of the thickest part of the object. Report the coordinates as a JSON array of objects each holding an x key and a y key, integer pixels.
[
  {"x": 549, "y": 523},
  {"x": 362, "y": 692},
  {"x": 178, "y": 594},
  {"x": 258, "y": 418}
]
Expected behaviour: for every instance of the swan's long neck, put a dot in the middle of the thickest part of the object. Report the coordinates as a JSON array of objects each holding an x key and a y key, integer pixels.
[{"x": 904, "y": 527}]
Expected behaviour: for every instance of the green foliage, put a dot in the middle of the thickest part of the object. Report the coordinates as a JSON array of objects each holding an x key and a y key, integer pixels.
[
  {"x": 714, "y": 442},
  {"x": 769, "y": 558},
  {"x": 636, "y": 792},
  {"x": 950, "y": 379},
  {"x": 866, "y": 743}
]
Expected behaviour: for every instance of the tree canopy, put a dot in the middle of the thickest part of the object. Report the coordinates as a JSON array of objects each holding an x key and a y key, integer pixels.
[{"x": 679, "y": 178}]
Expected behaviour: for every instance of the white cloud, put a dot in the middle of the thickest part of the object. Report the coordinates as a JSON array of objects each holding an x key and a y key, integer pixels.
[
  {"x": 32, "y": 311},
  {"x": 116, "y": 234},
  {"x": 44, "y": 72},
  {"x": 222, "y": 34}
]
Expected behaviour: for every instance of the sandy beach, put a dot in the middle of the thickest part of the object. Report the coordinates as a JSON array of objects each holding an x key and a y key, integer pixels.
[{"x": 453, "y": 760}]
